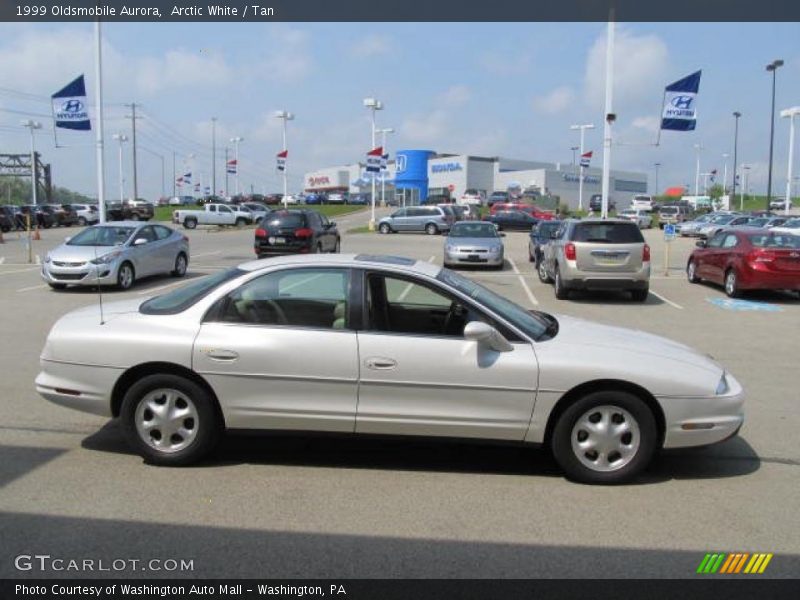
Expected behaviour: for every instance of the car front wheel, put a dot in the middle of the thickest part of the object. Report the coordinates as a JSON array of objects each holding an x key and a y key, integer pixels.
[
  {"x": 608, "y": 436},
  {"x": 691, "y": 272},
  {"x": 384, "y": 228},
  {"x": 169, "y": 420},
  {"x": 431, "y": 229},
  {"x": 181, "y": 263},
  {"x": 125, "y": 276}
]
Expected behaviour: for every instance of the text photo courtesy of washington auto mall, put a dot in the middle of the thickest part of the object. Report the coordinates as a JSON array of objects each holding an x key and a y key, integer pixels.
[{"x": 370, "y": 300}]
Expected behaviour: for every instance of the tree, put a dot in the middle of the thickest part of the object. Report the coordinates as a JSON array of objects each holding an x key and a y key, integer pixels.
[{"x": 715, "y": 191}]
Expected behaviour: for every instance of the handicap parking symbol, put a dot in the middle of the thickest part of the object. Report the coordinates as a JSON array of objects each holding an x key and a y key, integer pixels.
[{"x": 744, "y": 305}]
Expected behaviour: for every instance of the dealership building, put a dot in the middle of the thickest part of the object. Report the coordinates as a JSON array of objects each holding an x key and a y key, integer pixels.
[{"x": 414, "y": 175}]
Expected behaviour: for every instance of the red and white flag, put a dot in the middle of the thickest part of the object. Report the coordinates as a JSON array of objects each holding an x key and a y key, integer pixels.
[
  {"x": 586, "y": 158},
  {"x": 374, "y": 158},
  {"x": 231, "y": 166},
  {"x": 281, "y": 158}
]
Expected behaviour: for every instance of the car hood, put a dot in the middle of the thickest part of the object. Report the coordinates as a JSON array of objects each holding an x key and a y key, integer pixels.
[
  {"x": 67, "y": 253},
  {"x": 476, "y": 241}
]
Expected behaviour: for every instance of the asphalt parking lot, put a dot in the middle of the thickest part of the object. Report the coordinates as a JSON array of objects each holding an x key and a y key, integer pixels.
[{"x": 291, "y": 506}]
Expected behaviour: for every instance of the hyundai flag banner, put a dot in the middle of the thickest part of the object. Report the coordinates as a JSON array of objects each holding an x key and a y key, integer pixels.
[
  {"x": 187, "y": 177},
  {"x": 586, "y": 158},
  {"x": 374, "y": 158},
  {"x": 231, "y": 167},
  {"x": 69, "y": 106},
  {"x": 680, "y": 113},
  {"x": 281, "y": 158},
  {"x": 385, "y": 162}
]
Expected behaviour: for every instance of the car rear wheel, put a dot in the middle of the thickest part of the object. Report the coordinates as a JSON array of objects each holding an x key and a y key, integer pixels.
[
  {"x": 732, "y": 284},
  {"x": 384, "y": 228},
  {"x": 431, "y": 229},
  {"x": 82, "y": 221},
  {"x": 241, "y": 222},
  {"x": 608, "y": 436},
  {"x": 134, "y": 217},
  {"x": 181, "y": 262},
  {"x": 190, "y": 222},
  {"x": 169, "y": 420},
  {"x": 338, "y": 247},
  {"x": 640, "y": 295},
  {"x": 561, "y": 292},
  {"x": 691, "y": 272},
  {"x": 126, "y": 276},
  {"x": 541, "y": 270}
]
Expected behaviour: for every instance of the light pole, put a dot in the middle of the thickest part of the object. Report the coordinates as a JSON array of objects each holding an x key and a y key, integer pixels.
[
  {"x": 383, "y": 133},
  {"x": 32, "y": 125},
  {"x": 773, "y": 68},
  {"x": 725, "y": 174},
  {"x": 582, "y": 129},
  {"x": 235, "y": 141},
  {"x": 790, "y": 114},
  {"x": 574, "y": 149},
  {"x": 745, "y": 177},
  {"x": 656, "y": 165},
  {"x": 698, "y": 148},
  {"x": 285, "y": 116},
  {"x": 121, "y": 138},
  {"x": 214, "y": 156},
  {"x": 736, "y": 116},
  {"x": 373, "y": 105}
]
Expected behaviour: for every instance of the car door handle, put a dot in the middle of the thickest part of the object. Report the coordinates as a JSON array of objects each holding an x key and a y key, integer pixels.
[
  {"x": 221, "y": 354},
  {"x": 379, "y": 363}
]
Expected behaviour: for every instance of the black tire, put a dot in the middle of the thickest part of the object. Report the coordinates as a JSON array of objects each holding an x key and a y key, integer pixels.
[
  {"x": 643, "y": 444},
  {"x": 190, "y": 223},
  {"x": 181, "y": 264},
  {"x": 541, "y": 271},
  {"x": 134, "y": 216},
  {"x": 241, "y": 222},
  {"x": 318, "y": 248},
  {"x": 691, "y": 272},
  {"x": 125, "y": 282},
  {"x": 385, "y": 228},
  {"x": 5, "y": 228},
  {"x": 58, "y": 286},
  {"x": 431, "y": 229},
  {"x": 531, "y": 257},
  {"x": 206, "y": 427},
  {"x": 731, "y": 284},
  {"x": 561, "y": 292},
  {"x": 640, "y": 295},
  {"x": 338, "y": 247}
]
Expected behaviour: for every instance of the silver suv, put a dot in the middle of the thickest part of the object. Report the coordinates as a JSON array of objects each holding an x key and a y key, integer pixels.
[
  {"x": 596, "y": 254},
  {"x": 430, "y": 219}
]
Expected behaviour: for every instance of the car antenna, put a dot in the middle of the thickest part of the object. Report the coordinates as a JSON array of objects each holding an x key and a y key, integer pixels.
[{"x": 99, "y": 291}]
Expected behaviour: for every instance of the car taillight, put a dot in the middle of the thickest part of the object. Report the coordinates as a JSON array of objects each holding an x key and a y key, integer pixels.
[
  {"x": 303, "y": 232},
  {"x": 569, "y": 251},
  {"x": 761, "y": 256},
  {"x": 261, "y": 232},
  {"x": 646, "y": 253}
]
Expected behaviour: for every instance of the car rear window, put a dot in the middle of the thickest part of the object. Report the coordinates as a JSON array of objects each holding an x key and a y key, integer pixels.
[
  {"x": 286, "y": 219},
  {"x": 775, "y": 240},
  {"x": 607, "y": 233}
]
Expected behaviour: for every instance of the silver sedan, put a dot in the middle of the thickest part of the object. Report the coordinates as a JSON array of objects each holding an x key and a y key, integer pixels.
[
  {"x": 474, "y": 243},
  {"x": 382, "y": 345},
  {"x": 118, "y": 254}
]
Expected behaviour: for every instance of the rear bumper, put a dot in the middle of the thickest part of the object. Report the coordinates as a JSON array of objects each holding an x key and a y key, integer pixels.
[
  {"x": 766, "y": 280},
  {"x": 574, "y": 279},
  {"x": 266, "y": 249}
]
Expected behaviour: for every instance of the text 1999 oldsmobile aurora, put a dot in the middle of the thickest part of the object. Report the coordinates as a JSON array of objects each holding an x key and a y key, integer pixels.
[{"x": 382, "y": 345}]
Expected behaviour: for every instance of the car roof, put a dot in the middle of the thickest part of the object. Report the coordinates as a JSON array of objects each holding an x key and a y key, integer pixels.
[
  {"x": 420, "y": 267},
  {"x": 124, "y": 224}
]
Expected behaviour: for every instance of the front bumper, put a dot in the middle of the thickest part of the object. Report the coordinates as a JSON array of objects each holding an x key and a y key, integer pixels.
[
  {"x": 80, "y": 273},
  {"x": 473, "y": 256}
]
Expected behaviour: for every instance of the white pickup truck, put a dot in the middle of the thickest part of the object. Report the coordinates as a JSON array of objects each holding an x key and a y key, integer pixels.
[{"x": 213, "y": 214}]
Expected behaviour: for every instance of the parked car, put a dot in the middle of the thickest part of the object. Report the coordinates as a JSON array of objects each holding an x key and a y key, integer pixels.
[
  {"x": 720, "y": 222},
  {"x": 747, "y": 259},
  {"x": 138, "y": 210},
  {"x": 181, "y": 201},
  {"x": 284, "y": 344},
  {"x": 87, "y": 214},
  {"x": 259, "y": 211},
  {"x": 465, "y": 212},
  {"x": 474, "y": 243},
  {"x": 531, "y": 209},
  {"x": 672, "y": 214},
  {"x": 596, "y": 203},
  {"x": 775, "y": 222},
  {"x": 497, "y": 197},
  {"x": 642, "y": 202},
  {"x": 790, "y": 226},
  {"x": 473, "y": 197},
  {"x": 512, "y": 220},
  {"x": 213, "y": 214},
  {"x": 641, "y": 217},
  {"x": 15, "y": 214},
  {"x": 116, "y": 254},
  {"x": 692, "y": 228},
  {"x": 63, "y": 214},
  {"x": 754, "y": 222},
  {"x": 595, "y": 254},
  {"x": 540, "y": 236},
  {"x": 780, "y": 204},
  {"x": 7, "y": 219},
  {"x": 359, "y": 199},
  {"x": 38, "y": 217},
  {"x": 430, "y": 219},
  {"x": 337, "y": 198},
  {"x": 296, "y": 231}
]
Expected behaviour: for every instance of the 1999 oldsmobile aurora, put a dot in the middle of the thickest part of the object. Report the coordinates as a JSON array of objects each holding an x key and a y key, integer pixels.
[{"x": 382, "y": 345}]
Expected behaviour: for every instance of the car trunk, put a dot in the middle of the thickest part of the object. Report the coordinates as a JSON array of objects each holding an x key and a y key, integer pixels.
[{"x": 608, "y": 247}]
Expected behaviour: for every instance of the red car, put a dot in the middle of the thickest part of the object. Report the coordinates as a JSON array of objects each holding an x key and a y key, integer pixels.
[
  {"x": 747, "y": 258},
  {"x": 532, "y": 210}
]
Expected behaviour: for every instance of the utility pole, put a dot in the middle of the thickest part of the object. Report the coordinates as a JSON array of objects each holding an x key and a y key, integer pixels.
[
  {"x": 173, "y": 174},
  {"x": 226, "y": 171},
  {"x": 133, "y": 118},
  {"x": 214, "y": 156}
]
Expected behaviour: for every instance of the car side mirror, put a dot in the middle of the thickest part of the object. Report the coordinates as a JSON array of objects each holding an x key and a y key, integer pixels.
[
  {"x": 701, "y": 243},
  {"x": 331, "y": 224},
  {"x": 139, "y": 242},
  {"x": 483, "y": 333}
]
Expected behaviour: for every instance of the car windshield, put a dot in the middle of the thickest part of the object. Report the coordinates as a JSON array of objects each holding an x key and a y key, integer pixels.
[
  {"x": 184, "y": 297},
  {"x": 533, "y": 324},
  {"x": 473, "y": 230},
  {"x": 669, "y": 210},
  {"x": 102, "y": 235},
  {"x": 760, "y": 222},
  {"x": 723, "y": 219},
  {"x": 608, "y": 233},
  {"x": 792, "y": 223},
  {"x": 775, "y": 240}
]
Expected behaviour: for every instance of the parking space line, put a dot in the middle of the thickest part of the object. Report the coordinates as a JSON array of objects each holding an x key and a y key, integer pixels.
[
  {"x": 18, "y": 271},
  {"x": 2, "y": 259},
  {"x": 523, "y": 283},
  {"x": 207, "y": 253},
  {"x": 33, "y": 287},
  {"x": 667, "y": 300}
]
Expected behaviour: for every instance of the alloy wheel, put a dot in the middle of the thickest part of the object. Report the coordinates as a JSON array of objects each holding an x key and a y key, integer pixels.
[
  {"x": 167, "y": 420},
  {"x": 605, "y": 438}
]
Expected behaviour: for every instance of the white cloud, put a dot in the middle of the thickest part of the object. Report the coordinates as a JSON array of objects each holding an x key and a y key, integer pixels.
[
  {"x": 556, "y": 101},
  {"x": 371, "y": 45},
  {"x": 426, "y": 128},
  {"x": 455, "y": 95},
  {"x": 183, "y": 68},
  {"x": 646, "y": 123},
  {"x": 285, "y": 56},
  {"x": 514, "y": 65}
]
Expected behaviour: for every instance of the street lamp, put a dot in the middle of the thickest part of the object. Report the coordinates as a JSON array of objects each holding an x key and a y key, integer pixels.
[
  {"x": 656, "y": 165},
  {"x": 790, "y": 114},
  {"x": 725, "y": 156},
  {"x": 773, "y": 68},
  {"x": 383, "y": 133},
  {"x": 374, "y": 105},
  {"x": 582, "y": 129},
  {"x": 736, "y": 116},
  {"x": 698, "y": 148},
  {"x": 745, "y": 185},
  {"x": 121, "y": 137},
  {"x": 284, "y": 116},
  {"x": 574, "y": 149},
  {"x": 32, "y": 125},
  {"x": 235, "y": 141}
]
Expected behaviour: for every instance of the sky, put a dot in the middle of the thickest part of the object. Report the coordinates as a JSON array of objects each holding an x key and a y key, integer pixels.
[{"x": 489, "y": 89}]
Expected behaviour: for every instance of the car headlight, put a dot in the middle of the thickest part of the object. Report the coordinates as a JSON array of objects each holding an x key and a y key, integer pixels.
[
  {"x": 722, "y": 386},
  {"x": 47, "y": 258},
  {"x": 450, "y": 248},
  {"x": 495, "y": 249},
  {"x": 105, "y": 259}
]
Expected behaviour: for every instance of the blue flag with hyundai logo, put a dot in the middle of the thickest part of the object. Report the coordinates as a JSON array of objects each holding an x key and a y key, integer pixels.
[
  {"x": 69, "y": 106},
  {"x": 680, "y": 111}
]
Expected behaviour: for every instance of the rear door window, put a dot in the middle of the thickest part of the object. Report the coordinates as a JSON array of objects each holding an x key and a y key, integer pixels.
[{"x": 608, "y": 233}]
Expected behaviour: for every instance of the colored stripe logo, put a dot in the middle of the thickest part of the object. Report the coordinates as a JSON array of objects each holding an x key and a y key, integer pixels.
[{"x": 734, "y": 563}]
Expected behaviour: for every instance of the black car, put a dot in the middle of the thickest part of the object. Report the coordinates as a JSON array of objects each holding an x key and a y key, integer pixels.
[
  {"x": 512, "y": 220},
  {"x": 497, "y": 197},
  {"x": 39, "y": 217},
  {"x": 296, "y": 231},
  {"x": 596, "y": 203},
  {"x": 14, "y": 213},
  {"x": 540, "y": 236},
  {"x": 7, "y": 219},
  {"x": 64, "y": 215}
]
